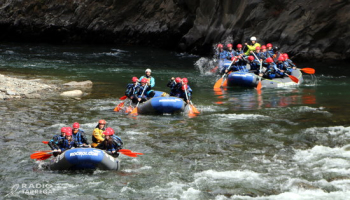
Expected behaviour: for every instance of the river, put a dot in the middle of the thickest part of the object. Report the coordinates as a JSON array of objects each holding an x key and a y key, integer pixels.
[{"x": 280, "y": 144}]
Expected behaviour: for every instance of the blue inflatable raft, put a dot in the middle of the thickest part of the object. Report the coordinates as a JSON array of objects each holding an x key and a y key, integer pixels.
[
  {"x": 161, "y": 105},
  {"x": 84, "y": 158},
  {"x": 248, "y": 79}
]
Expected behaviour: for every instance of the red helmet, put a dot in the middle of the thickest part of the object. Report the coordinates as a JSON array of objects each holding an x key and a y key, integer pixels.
[
  {"x": 220, "y": 46},
  {"x": 102, "y": 121},
  {"x": 239, "y": 46},
  {"x": 68, "y": 130},
  {"x": 281, "y": 58},
  {"x": 76, "y": 125},
  {"x": 285, "y": 56},
  {"x": 257, "y": 48},
  {"x": 178, "y": 79},
  {"x": 229, "y": 45},
  {"x": 184, "y": 80},
  {"x": 251, "y": 58},
  {"x": 108, "y": 132},
  {"x": 110, "y": 129},
  {"x": 63, "y": 129},
  {"x": 68, "y": 134},
  {"x": 263, "y": 47},
  {"x": 269, "y": 45},
  {"x": 269, "y": 60},
  {"x": 134, "y": 79},
  {"x": 184, "y": 87},
  {"x": 144, "y": 80}
]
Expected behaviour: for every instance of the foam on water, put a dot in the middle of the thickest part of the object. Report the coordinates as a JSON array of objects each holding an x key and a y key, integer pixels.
[{"x": 239, "y": 116}]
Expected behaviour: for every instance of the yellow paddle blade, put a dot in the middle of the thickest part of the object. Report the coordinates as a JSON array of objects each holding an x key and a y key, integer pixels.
[
  {"x": 225, "y": 83},
  {"x": 119, "y": 107},
  {"x": 194, "y": 109},
  {"x": 218, "y": 83},
  {"x": 134, "y": 112},
  {"x": 259, "y": 86},
  {"x": 129, "y": 109}
]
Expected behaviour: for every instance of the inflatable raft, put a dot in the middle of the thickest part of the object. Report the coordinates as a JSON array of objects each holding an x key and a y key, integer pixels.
[
  {"x": 84, "y": 158},
  {"x": 161, "y": 105},
  {"x": 248, "y": 79}
]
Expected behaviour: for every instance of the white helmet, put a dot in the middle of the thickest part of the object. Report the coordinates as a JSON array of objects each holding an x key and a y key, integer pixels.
[
  {"x": 148, "y": 70},
  {"x": 253, "y": 38}
]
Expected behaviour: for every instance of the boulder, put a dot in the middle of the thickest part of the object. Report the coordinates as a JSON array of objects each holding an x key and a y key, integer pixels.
[
  {"x": 72, "y": 93},
  {"x": 10, "y": 92},
  {"x": 32, "y": 96}
]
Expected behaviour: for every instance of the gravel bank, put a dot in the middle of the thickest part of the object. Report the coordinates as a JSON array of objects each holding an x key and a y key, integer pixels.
[{"x": 19, "y": 88}]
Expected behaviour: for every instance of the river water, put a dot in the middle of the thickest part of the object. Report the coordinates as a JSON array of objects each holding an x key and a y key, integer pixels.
[{"x": 280, "y": 144}]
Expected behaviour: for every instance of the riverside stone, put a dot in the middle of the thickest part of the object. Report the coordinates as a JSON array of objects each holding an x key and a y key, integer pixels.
[
  {"x": 72, "y": 93},
  {"x": 87, "y": 83}
]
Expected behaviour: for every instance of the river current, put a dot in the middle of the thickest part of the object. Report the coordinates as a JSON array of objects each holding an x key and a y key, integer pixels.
[{"x": 281, "y": 144}]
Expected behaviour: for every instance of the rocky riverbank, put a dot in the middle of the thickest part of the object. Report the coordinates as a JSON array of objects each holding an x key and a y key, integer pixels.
[
  {"x": 11, "y": 87},
  {"x": 303, "y": 28},
  {"x": 16, "y": 88}
]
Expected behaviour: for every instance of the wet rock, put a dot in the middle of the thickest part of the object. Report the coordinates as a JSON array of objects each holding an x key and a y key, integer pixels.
[
  {"x": 32, "y": 96},
  {"x": 11, "y": 88},
  {"x": 87, "y": 83},
  {"x": 10, "y": 92},
  {"x": 72, "y": 93}
]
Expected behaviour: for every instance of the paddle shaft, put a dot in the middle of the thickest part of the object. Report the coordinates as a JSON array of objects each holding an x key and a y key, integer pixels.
[{"x": 141, "y": 95}]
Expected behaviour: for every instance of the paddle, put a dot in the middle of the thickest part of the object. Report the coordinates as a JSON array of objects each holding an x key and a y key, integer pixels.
[
  {"x": 293, "y": 78},
  {"x": 45, "y": 142},
  {"x": 193, "y": 110},
  {"x": 119, "y": 106},
  {"x": 219, "y": 83},
  {"x": 308, "y": 70},
  {"x": 128, "y": 151},
  {"x": 259, "y": 86},
  {"x": 134, "y": 112},
  {"x": 41, "y": 155},
  {"x": 123, "y": 97},
  {"x": 129, "y": 109},
  {"x": 214, "y": 69}
]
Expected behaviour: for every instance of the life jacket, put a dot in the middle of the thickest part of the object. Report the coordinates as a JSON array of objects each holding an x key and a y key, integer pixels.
[
  {"x": 271, "y": 68},
  {"x": 130, "y": 89},
  {"x": 139, "y": 90},
  {"x": 65, "y": 144},
  {"x": 237, "y": 53},
  {"x": 150, "y": 79},
  {"x": 56, "y": 139},
  {"x": 189, "y": 93},
  {"x": 222, "y": 55},
  {"x": 254, "y": 65},
  {"x": 97, "y": 136},
  {"x": 252, "y": 48},
  {"x": 79, "y": 137},
  {"x": 264, "y": 55},
  {"x": 53, "y": 143},
  {"x": 117, "y": 141},
  {"x": 230, "y": 53}
]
